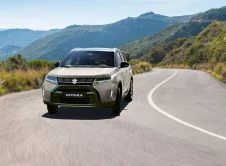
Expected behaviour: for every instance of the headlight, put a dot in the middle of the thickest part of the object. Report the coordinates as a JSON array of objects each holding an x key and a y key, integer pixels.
[
  {"x": 51, "y": 79},
  {"x": 102, "y": 80}
]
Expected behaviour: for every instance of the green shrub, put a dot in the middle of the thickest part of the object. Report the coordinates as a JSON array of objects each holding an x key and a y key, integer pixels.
[
  {"x": 218, "y": 69},
  {"x": 19, "y": 80},
  {"x": 17, "y": 74},
  {"x": 15, "y": 62},
  {"x": 39, "y": 64},
  {"x": 140, "y": 66}
]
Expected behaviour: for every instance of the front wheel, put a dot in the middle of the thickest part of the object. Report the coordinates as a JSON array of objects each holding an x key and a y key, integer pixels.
[
  {"x": 52, "y": 109},
  {"x": 129, "y": 96},
  {"x": 116, "y": 107}
]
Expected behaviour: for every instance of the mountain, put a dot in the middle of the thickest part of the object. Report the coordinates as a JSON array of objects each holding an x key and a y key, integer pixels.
[
  {"x": 22, "y": 37},
  {"x": 8, "y": 50},
  {"x": 138, "y": 48},
  {"x": 2, "y": 29},
  {"x": 208, "y": 47},
  {"x": 55, "y": 46},
  {"x": 188, "y": 29}
]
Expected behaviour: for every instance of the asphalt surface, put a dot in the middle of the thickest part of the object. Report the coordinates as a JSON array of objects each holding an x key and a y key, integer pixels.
[{"x": 140, "y": 136}]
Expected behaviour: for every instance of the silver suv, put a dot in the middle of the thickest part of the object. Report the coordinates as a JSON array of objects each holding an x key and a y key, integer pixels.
[{"x": 93, "y": 77}]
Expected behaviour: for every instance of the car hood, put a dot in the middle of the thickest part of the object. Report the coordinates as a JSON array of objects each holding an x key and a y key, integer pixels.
[{"x": 81, "y": 72}]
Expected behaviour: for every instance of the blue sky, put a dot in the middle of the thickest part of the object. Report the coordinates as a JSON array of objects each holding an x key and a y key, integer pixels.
[{"x": 48, "y": 14}]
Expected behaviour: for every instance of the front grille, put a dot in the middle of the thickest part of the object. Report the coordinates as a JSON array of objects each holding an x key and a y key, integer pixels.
[
  {"x": 57, "y": 95},
  {"x": 79, "y": 81},
  {"x": 75, "y": 100},
  {"x": 74, "y": 90}
]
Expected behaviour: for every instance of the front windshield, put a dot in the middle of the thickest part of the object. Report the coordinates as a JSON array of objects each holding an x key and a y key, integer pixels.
[{"x": 89, "y": 58}]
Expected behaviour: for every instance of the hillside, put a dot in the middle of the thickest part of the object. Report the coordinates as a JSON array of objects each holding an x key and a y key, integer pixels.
[
  {"x": 139, "y": 47},
  {"x": 209, "y": 47},
  {"x": 112, "y": 35},
  {"x": 8, "y": 50},
  {"x": 158, "y": 53},
  {"x": 192, "y": 28},
  {"x": 22, "y": 37}
]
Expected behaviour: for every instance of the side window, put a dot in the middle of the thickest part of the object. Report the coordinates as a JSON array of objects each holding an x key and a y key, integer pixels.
[
  {"x": 119, "y": 60},
  {"x": 122, "y": 57}
]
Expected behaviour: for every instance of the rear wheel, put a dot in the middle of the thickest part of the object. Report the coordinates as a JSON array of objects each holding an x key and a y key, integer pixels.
[
  {"x": 129, "y": 96},
  {"x": 52, "y": 109},
  {"x": 116, "y": 107}
]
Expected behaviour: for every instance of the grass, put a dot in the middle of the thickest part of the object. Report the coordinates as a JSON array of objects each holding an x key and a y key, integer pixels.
[
  {"x": 140, "y": 66},
  {"x": 21, "y": 80},
  {"x": 220, "y": 72},
  {"x": 172, "y": 66}
]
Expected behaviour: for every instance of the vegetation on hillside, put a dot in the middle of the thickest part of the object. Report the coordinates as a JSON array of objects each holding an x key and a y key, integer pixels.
[
  {"x": 158, "y": 53},
  {"x": 139, "y": 66},
  {"x": 212, "y": 14},
  {"x": 189, "y": 29},
  {"x": 138, "y": 48},
  {"x": 208, "y": 47},
  {"x": 17, "y": 74},
  {"x": 206, "y": 51}
]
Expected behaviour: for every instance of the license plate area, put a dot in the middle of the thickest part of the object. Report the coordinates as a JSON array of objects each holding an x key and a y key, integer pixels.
[{"x": 74, "y": 95}]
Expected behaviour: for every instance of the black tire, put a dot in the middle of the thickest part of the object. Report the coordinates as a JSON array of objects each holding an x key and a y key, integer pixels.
[
  {"x": 52, "y": 109},
  {"x": 116, "y": 107},
  {"x": 129, "y": 96}
]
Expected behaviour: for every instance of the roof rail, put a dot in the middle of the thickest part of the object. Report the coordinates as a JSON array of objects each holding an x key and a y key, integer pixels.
[
  {"x": 74, "y": 49},
  {"x": 115, "y": 49}
]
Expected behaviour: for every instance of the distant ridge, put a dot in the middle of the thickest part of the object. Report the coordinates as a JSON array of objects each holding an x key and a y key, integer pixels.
[
  {"x": 55, "y": 46},
  {"x": 22, "y": 37}
]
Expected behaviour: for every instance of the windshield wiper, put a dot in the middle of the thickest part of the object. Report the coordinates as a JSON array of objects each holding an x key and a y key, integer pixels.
[
  {"x": 82, "y": 66},
  {"x": 69, "y": 66},
  {"x": 104, "y": 66},
  {"x": 66, "y": 66}
]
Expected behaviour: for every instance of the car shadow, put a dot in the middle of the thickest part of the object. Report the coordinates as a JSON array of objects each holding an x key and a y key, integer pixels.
[{"x": 84, "y": 113}]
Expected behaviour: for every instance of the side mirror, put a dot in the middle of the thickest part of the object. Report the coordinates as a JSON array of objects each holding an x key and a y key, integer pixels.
[
  {"x": 57, "y": 64},
  {"x": 124, "y": 64}
]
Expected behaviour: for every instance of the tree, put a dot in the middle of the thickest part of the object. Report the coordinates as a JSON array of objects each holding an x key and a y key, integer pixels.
[
  {"x": 128, "y": 57},
  {"x": 16, "y": 62}
]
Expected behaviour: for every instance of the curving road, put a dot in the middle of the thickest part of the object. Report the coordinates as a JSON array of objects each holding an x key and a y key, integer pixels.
[{"x": 177, "y": 117}]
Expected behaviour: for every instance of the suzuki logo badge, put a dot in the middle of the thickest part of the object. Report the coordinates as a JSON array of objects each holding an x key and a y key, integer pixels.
[{"x": 74, "y": 81}]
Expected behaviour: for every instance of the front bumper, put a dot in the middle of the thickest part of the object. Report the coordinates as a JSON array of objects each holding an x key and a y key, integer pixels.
[{"x": 102, "y": 95}]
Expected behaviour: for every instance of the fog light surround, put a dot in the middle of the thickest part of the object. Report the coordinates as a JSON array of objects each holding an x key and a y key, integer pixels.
[{"x": 111, "y": 93}]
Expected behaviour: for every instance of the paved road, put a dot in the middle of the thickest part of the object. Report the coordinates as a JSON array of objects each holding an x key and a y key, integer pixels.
[{"x": 141, "y": 136}]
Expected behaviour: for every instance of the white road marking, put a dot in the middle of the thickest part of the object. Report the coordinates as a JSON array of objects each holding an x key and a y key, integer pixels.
[{"x": 150, "y": 100}]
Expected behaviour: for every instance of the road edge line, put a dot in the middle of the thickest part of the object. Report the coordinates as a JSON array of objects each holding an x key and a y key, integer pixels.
[{"x": 151, "y": 102}]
